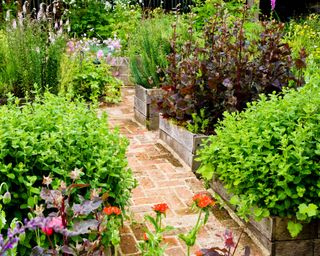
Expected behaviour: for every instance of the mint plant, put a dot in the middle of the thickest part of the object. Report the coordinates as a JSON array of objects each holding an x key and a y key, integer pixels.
[
  {"x": 268, "y": 157},
  {"x": 55, "y": 135}
]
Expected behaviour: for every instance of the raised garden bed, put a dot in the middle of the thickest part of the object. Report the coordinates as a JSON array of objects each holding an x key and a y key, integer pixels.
[
  {"x": 184, "y": 143},
  {"x": 145, "y": 106},
  {"x": 272, "y": 232}
]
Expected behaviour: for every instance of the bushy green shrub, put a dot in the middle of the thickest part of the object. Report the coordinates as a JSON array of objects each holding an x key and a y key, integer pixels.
[
  {"x": 29, "y": 55},
  {"x": 83, "y": 78},
  {"x": 55, "y": 135},
  {"x": 268, "y": 156},
  {"x": 148, "y": 50},
  {"x": 96, "y": 19}
]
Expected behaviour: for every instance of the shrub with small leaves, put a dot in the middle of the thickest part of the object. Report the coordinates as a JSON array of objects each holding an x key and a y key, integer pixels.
[
  {"x": 55, "y": 135},
  {"x": 268, "y": 157}
]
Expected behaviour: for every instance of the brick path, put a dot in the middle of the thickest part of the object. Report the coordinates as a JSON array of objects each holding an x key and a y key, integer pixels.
[{"x": 162, "y": 178}]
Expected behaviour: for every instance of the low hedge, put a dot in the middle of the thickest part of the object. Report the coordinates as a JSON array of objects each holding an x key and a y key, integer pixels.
[
  {"x": 268, "y": 157},
  {"x": 54, "y": 135}
]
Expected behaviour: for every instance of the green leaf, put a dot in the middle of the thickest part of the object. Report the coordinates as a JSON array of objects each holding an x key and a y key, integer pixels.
[
  {"x": 294, "y": 228},
  {"x": 3, "y": 220},
  {"x": 11, "y": 176},
  {"x": 310, "y": 210},
  {"x": 206, "y": 171},
  {"x": 261, "y": 213},
  {"x": 235, "y": 200}
]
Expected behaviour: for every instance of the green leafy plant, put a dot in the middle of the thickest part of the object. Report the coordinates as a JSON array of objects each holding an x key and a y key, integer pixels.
[
  {"x": 96, "y": 19},
  {"x": 268, "y": 157},
  {"x": 30, "y": 52},
  {"x": 54, "y": 135},
  {"x": 83, "y": 76},
  {"x": 199, "y": 124},
  {"x": 305, "y": 33}
]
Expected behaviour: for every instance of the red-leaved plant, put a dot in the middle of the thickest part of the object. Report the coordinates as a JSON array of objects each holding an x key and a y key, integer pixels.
[{"x": 231, "y": 68}]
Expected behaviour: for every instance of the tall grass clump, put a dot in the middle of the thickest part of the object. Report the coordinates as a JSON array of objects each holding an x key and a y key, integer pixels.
[{"x": 148, "y": 50}]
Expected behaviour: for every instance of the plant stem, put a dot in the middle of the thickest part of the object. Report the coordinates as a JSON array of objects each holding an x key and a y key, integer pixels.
[
  {"x": 51, "y": 244},
  {"x": 235, "y": 248},
  {"x": 188, "y": 250},
  {"x": 115, "y": 250}
]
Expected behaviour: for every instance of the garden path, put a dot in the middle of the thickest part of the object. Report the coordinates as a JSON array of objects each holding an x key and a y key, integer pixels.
[{"x": 163, "y": 179}]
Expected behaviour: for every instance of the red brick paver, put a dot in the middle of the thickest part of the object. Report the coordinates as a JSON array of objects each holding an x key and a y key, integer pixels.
[{"x": 162, "y": 178}]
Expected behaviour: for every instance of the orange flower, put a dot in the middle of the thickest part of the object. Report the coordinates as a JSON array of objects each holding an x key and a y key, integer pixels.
[
  {"x": 202, "y": 200},
  {"x": 112, "y": 210},
  {"x": 145, "y": 237},
  {"x": 116, "y": 210},
  {"x": 199, "y": 253},
  {"x": 160, "y": 208}
]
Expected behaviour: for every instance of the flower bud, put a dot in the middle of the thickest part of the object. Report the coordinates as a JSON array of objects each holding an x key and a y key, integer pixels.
[{"x": 6, "y": 198}]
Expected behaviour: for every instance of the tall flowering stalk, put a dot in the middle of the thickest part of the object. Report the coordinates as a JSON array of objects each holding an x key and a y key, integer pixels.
[
  {"x": 202, "y": 202},
  {"x": 273, "y": 5},
  {"x": 151, "y": 246}
]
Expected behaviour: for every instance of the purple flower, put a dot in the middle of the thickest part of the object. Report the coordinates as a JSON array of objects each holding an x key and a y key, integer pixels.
[{"x": 273, "y": 5}]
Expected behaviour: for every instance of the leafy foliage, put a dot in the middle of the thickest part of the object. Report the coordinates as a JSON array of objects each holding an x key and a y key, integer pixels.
[
  {"x": 305, "y": 33},
  {"x": 268, "y": 156},
  {"x": 96, "y": 19},
  {"x": 148, "y": 50},
  {"x": 54, "y": 135},
  {"x": 81, "y": 77},
  {"x": 231, "y": 68},
  {"x": 81, "y": 224}
]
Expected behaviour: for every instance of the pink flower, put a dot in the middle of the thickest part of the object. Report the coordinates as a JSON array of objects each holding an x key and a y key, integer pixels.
[
  {"x": 273, "y": 5},
  {"x": 52, "y": 224},
  {"x": 100, "y": 54}
]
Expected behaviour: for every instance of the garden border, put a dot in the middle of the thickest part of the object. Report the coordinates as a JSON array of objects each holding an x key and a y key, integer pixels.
[{"x": 184, "y": 143}]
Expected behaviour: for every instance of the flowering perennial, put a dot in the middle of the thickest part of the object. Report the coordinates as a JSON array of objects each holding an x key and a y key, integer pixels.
[
  {"x": 203, "y": 200},
  {"x": 112, "y": 210},
  {"x": 160, "y": 208}
]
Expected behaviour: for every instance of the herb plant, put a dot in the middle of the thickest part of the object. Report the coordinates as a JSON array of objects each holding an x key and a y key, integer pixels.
[
  {"x": 148, "y": 50},
  {"x": 268, "y": 157},
  {"x": 30, "y": 53},
  {"x": 88, "y": 78},
  {"x": 55, "y": 135}
]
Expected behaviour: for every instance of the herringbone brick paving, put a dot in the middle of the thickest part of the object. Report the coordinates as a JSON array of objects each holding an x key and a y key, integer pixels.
[{"x": 163, "y": 179}]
